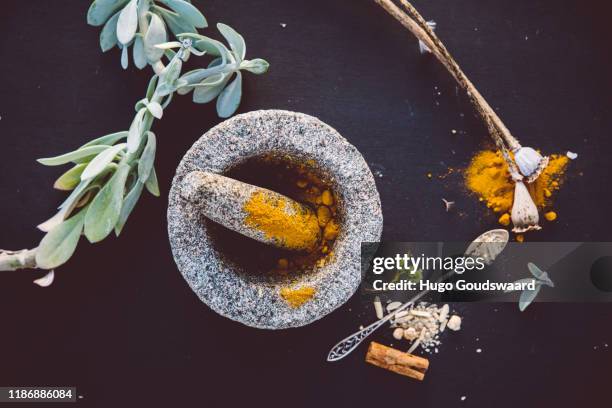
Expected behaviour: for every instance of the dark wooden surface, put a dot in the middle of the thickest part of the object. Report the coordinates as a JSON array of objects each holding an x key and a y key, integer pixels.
[{"x": 122, "y": 325}]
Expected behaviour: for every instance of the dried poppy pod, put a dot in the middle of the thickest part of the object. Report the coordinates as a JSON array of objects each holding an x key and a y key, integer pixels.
[
  {"x": 530, "y": 162},
  {"x": 524, "y": 214}
]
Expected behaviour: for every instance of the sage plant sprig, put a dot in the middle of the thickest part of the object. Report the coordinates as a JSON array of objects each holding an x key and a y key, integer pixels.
[
  {"x": 540, "y": 278},
  {"x": 109, "y": 174},
  {"x": 141, "y": 24}
]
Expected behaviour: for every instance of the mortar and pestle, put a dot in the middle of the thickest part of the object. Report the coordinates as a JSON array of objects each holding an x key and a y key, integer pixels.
[{"x": 221, "y": 245}]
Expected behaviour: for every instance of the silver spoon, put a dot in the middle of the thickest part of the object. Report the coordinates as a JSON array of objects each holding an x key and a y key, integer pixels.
[{"x": 346, "y": 346}]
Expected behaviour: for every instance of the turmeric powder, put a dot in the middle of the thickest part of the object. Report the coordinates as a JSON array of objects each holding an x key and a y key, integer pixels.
[
  {"x": 488, "y": 177},
  {"x": 292, "y": 225},
  {"x": 297, "y": 297}
]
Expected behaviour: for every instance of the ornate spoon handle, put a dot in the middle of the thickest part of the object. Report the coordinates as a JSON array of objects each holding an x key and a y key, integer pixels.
[{"x": 344, "y": 347}]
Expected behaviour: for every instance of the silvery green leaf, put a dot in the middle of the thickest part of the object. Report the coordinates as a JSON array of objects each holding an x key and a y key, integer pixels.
[
  {"x": 195, "y": 76},
  {"x": 145, "y": 164},
  {"x": 170, "y": 54},
  {"x": 165, "y": 89},
  {"x": 196, "y": 52},
  {"x": 186, "y": 10},
  {"x": 156, "y": 34},
  {"x": 205, "y": 93},
  {"x": 70, "y": 179},
  {"x": 108, "y": 140},
  {"x": 151, "y": 87},
  {"x": 155, "y": 109},
  {"x": 172, "y": 71},
  {"x": 72, "y": 199},
  {"x": 108, "y": 35},
  {"x": 104, "y": 210},
  {"x": 168, "y": 45},
  {"x": 72, "y": 156},
  {"x": 46, "y": 280},
  {"x": 101, "y": 10},
  {"x": 59, "y": 243},
  {"x": 234, "y": 39},
  {"x": 152, "y": 185},
  {"x": 140, "y": 59},
  {"x": 178, "y": 24},
  {"x": 135, "y": 132},
  {"x": 83, "y": 187},
  {"x": 547, "y": 281},
  {"x": 527, "y": 296},
  {"x": 167, "y": 101},
  {"x": 216, "y": 62},
  {"x": 229, "y": 99},
  {"x": 520, "y": 281},
  {"x": 141, "y": 104},
  {"x": 212, "y": 47},
  {"x": 128, "y": 22},
  {"x": 257, "y": 66},
  {"x": 99, "y": 163},
  {"x": 535, "y": 271},
  {"x": 129, "y": 202},
  {"x": 124, "y": 57}
]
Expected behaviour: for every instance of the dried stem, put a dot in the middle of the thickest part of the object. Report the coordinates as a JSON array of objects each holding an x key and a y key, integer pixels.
[
  {"x": 416, "y": 24},
  {"x": 14, "y": 260}
]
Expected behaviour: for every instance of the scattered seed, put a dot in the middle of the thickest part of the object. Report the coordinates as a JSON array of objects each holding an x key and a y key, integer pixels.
[{"x": 378, "y": 308}]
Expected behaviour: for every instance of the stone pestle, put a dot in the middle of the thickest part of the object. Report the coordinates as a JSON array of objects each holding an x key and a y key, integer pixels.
[{"x": 255, "y": 212}]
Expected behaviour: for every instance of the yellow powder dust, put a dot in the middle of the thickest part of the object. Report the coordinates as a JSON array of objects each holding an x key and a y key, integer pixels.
[
  {"x": 284, "y": 221},
  {"x": 504, "y": 219},
  {"x": 550, "y": 216},
  {"x": 297, "y": 297},
  {"x": 487, "y": 176}
]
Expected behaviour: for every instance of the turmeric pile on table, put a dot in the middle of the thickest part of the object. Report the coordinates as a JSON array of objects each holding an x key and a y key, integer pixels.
[{"x": 488, "y": 177}]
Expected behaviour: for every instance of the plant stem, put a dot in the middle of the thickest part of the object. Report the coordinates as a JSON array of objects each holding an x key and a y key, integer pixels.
[
  {"x": 416, "y": 24},
  {"x": 14, "y": 260}
]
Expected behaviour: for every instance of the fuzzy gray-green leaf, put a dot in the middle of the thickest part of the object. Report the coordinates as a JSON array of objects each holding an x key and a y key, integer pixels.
[
  {"x": 257, "y": 66},
  {"x": 72, "y": 156},
  {"x": 135, "y": 132},
  {"x": 189, "y": 12},
  {"x": 152, "y": 185},
  {"x": 99, "y": 163},
  {"x": 210, "y": 88},
  {"x": 528, "y": 296},
  {"x": 101, "y": 10},
  {"x": 108, "y": 140},
  {"x": 155, "y": 109},
  {"x": 229, "y": 99},
  {"x": 128, "y": 22},
  {"x": 70, "y": 179},
  {"x": 145, "y": 165},
  {"x": 59, "y": 244},
  {"x": 178, "y": 24},
  {"x": 140, "y": 59},
  {"x": 235, "y": 40},
  {"x": 124, "y": 57},
  {"x": 108, "y": 35},
  {"x": 104, "y": 210},
  {"x": 128, "y": 206},
  {"x": 156, "y": 34}
]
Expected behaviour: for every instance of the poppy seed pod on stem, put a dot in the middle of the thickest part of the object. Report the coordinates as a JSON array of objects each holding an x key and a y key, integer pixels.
[
  {"x": 524, "y": 211},
  {"x": 530, "y": 162}
]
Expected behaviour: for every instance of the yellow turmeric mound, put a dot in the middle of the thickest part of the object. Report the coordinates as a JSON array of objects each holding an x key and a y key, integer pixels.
[
  {"x": 488, "y": 177},
  {"x": 284, "y": 221},
  {"x": 297, "y": 297}
]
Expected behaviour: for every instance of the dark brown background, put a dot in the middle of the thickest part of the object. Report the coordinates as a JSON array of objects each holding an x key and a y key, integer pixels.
[{"x": 122, "y": 325}]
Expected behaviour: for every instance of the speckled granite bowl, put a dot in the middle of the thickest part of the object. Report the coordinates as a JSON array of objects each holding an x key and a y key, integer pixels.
[{"x": 251, "y": 299}]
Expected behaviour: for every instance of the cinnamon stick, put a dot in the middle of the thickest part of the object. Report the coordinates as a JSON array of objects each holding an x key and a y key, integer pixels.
[{"x": 397, "y": 361}]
